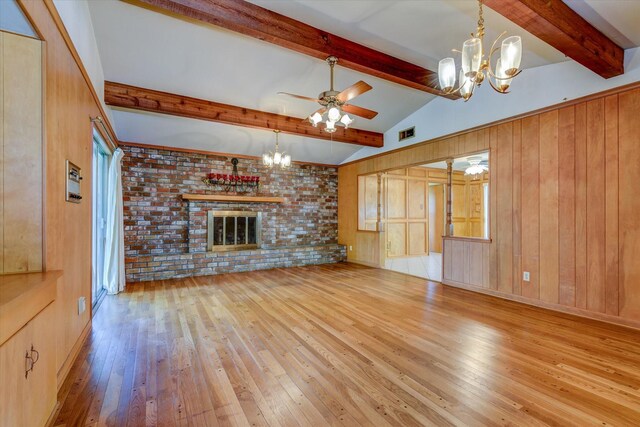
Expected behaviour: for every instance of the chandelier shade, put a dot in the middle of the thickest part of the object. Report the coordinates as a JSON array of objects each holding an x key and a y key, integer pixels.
[
  {"x": 476, "y": 64},
  {"x": 511, "y": 54},
  {"x": 471, "y": 57},
  {"x": 447, "y": 73}
]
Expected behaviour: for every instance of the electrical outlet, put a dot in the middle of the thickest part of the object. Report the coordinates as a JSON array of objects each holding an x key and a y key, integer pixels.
[
  {"x": 526, "y": 276},
  {"x": 350, "y": 248},
  {"x": 82, "y": 305}
]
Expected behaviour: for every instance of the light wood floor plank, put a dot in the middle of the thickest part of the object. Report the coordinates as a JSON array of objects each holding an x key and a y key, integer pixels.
[{"x": 344, "y": 345}]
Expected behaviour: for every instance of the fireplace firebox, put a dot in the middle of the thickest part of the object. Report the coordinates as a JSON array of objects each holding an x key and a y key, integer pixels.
[{"x": 233, "y": 230}]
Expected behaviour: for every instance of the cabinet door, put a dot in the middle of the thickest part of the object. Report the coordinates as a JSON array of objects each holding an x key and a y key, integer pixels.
[
  {"x": 12, "y": 369},
  {"x": 397, "y": 239},
  {"x": 29, "y": 400},
  {"x": 41, "y": 384},
  {"x": 417, "y": 238}
]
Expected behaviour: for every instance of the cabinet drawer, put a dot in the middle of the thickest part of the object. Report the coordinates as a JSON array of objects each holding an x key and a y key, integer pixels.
[{"x": 27, "y": 369}]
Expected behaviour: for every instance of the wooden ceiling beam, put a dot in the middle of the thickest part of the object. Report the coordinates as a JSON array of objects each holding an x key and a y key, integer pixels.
[
  {"x": 255, "y": 21},
  {"x": 559, "y": 26},
  {"x": 136, "y": 98}
]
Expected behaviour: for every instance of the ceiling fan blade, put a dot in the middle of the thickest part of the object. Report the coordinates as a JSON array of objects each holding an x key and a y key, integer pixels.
[
  {"x": 306, "y": 98},
  {"x": 359, "y": 111},
  {"x": 353, "y": 91}
]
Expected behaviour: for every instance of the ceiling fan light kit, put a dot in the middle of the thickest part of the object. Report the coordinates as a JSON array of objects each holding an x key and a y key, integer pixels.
[
  {"x": 477, "y": 166},
  {"x": 334, "y": 109},
  {"x": 476, "y": 65}
]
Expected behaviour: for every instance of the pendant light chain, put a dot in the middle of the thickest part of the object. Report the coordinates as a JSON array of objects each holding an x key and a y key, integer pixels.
[{"x": 480, "y": 33}]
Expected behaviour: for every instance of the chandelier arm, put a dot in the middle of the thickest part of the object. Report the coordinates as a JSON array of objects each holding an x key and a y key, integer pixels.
[
  {"x": 504, "y": 78},
  {"x": 492, "y": 51},
  {"x": 459, "y": 89},
  {"x": 494, "y": 87}
]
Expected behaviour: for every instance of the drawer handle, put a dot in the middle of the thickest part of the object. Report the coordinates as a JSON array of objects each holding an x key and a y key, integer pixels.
[
  {"x": 28, "y": 362},
  {"x": 33, "y": 350}
]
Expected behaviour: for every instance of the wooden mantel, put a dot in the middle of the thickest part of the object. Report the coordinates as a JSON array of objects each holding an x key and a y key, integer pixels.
[{"x": 233, "y": 198}]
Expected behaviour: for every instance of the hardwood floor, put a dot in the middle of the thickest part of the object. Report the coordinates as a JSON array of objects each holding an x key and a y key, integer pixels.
[{"x": 344, "y": 345}]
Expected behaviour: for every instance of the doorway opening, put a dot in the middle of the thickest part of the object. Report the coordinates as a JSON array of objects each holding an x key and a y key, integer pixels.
[
  {"x": 414, "y": 212},
  {"x": 101, "y": 158}
]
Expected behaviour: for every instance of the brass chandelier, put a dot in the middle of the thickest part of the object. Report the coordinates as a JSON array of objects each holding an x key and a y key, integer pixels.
[
  {"x": 476, "y": 65},
  {"x": 276, "y": 158}
]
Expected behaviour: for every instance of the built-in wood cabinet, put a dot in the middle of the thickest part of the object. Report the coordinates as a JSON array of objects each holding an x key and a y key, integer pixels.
[{"x": 28, "y": 372}]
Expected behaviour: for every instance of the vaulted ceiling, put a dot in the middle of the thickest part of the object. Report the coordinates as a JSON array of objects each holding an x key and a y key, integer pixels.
[{"x": 144, "y": 48}]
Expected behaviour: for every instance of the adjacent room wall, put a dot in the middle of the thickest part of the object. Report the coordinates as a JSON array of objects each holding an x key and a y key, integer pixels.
[{"x": 564, "y": 204}]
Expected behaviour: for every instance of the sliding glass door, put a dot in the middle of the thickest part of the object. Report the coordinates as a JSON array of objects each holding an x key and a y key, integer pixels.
[{"x": 101, "y": 157}]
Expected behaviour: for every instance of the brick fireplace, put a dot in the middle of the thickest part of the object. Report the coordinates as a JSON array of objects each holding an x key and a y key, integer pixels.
[{"x": 166, "y": 236}]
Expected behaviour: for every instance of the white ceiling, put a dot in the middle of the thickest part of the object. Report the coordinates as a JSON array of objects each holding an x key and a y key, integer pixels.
[
  {"x": 148, "y": 49},
  {"x": 172, "y": 131}
]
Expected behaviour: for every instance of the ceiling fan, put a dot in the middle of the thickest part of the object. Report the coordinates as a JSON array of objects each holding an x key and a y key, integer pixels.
[
  {"x": 335, "y": 110},
  {"x": 477, "y": 166}
]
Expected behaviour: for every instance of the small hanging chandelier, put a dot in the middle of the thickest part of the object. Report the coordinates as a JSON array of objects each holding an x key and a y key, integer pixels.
[
  {"x": 276, "y": 158},
  {"x": 476, "y": 65}
]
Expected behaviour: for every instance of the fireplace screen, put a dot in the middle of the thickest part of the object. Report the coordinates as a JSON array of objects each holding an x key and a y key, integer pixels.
[{"x": 233, "y": 230}]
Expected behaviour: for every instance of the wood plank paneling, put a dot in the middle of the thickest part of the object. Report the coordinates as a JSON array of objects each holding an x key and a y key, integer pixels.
[
  {"x": 21, "y": 161},
  {"x": 492, "y": 136},
  {"x": 596, "y": 227},
  {"x": 530, "y": 206},
  {"x": 611, "y": 205},
  {"x": 629, "y": 207},
  {"x": 1, "y": 152},
  {"x": 504, "y": 204},
  {"x": 549, "y": 206},
  {"x": 566, "y": 181},
  {"x": 516, "y": 187},
  {"x": 581, "y": 205},
  {"x": 566, "y": 207}
]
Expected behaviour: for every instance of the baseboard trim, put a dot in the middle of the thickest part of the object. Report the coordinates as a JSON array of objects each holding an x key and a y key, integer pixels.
[
  {"x": 53, "y": 415},
  {"x": 558, "y": 308},
  {"x": 73, "y": 354},
  {"x": 365, "y": 263}
]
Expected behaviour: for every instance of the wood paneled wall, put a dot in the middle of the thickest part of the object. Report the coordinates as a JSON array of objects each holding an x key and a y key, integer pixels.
[
  {"x": 70, "y": 102},
  {"x": 20, "y": 154},
  {"x": 565, "y": 198}
]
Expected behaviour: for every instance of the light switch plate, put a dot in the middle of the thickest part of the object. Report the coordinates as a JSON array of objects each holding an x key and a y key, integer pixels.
[
  {"x": 526, "y": 276},
  {"x": 82, "y": 305}
]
